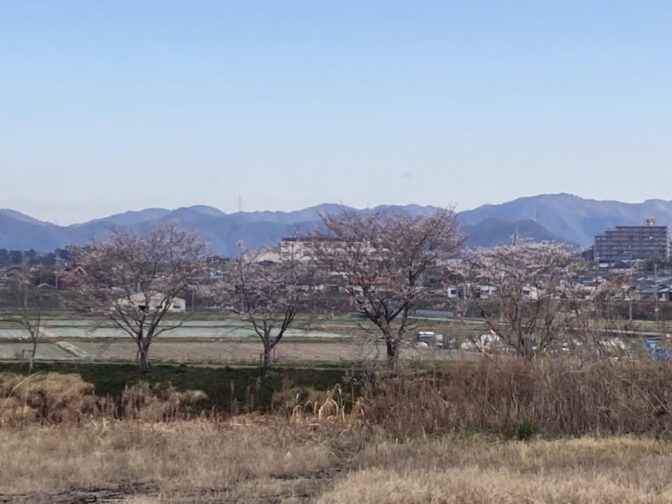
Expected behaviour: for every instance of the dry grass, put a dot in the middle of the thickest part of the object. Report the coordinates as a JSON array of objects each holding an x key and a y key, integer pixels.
[
  {"x": 71, "y": 446},
  {"x": 586, "y": 470},
  {"x": 517, "y": 398},
  {"x": 154, "y": 403},
  {"x": 265, "y": 459},
  {"x": 49, "y": 397},
  {"x": 196, "y": 458},
  {"x": 52, "y": 398}
]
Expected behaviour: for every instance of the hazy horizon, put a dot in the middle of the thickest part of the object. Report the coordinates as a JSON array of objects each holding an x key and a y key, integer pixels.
[
  {"x": 170, "y": 208},
  {"x": 106, "y": 107}
]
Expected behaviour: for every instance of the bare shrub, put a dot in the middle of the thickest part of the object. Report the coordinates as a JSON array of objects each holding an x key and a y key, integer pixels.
[
  {"x": 517, "y": 398},
  {"x": 290, "y": 399},
  {"x": 55, "y": 398},
  {"x": 306, "y": 405},
  {"x": 44, "y": 398},
  {"x": 153, "y": 402}
]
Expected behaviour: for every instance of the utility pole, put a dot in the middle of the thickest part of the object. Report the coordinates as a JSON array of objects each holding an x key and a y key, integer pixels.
[
  {"x": 630, "y": 287},
  {"x": 655, "y": 277}
]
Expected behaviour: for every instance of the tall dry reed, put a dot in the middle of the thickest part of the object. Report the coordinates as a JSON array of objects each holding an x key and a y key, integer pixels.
[{"x": 518, "y": 397}]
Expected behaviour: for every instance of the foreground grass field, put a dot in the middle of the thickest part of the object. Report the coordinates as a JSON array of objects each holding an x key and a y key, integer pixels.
[
  {"x": 267, "y": 459},
  {"x": 477, "y": 470},
  {"x": 498, "y": 430},
  {"x": 199, "y": 461}
]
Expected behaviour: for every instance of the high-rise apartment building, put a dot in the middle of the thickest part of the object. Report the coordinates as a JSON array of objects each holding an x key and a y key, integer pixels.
[{"x": 626, "y": 243}]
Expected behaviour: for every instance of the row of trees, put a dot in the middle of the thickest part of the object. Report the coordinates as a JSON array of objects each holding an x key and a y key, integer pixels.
[
  {"x": 378, "y": 260},
  {"x": 382, "y": 261},
  {"x": 16, "y": 257}
]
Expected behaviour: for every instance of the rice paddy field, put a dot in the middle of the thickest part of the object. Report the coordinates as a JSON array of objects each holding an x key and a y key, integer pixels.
[
  {"x": 325, "y": 341},
  {"x": 337, "y": 341}
]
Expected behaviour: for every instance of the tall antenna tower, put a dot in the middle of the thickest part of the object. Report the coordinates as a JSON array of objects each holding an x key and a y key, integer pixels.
[
  {"x": 240, "y": 203},
  {"x": 514, "y": 238}
]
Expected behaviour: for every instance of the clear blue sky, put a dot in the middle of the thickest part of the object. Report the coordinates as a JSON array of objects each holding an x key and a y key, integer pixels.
[{"x": 114, "y": 105}]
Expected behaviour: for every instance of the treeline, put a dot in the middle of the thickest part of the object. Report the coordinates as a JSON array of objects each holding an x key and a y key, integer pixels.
[{"x": 16, "y": 257}]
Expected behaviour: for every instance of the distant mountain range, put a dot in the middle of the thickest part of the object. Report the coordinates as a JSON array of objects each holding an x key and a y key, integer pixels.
[
  {"x": 552, "y": 217},
  {"x": 570, "y": 218}
]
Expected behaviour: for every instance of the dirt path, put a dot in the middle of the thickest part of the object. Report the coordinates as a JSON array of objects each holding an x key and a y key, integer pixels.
[
  {"x": 302, "y": 489},
  {"x": 75, "y": 496}
]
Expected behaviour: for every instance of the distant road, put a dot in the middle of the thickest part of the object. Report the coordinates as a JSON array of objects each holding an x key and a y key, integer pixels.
[{"x": 207, "y": 329}]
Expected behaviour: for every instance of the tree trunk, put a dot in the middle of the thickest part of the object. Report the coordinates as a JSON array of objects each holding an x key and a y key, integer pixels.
[
  {"x": 392, "y": 353},
  {"x": 266, "y": 361},
  {"x": 143, "y": 357},
  {"x": 33, "y": 351},
  {"x": 525, "y": 347}
]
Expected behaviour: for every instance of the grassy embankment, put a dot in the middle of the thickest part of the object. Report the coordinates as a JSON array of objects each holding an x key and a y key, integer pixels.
[
  {"x": 228, "y": 389},
  {"x": 498, "y": 430}
]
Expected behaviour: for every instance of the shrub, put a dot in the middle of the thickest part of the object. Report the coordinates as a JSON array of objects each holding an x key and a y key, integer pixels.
[
  {"x": 525, "y": 430},
  {"x": 156, "y": 402},
  {"x": 59, "y": 398},
  {"x": 44, "y": 398}
]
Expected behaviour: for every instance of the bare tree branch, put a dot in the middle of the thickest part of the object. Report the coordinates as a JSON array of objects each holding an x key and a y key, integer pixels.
[
  {"x": 268, "y": 294},
  {"x": 134, "y": 278},
  {"x": 380, "y": 260}
]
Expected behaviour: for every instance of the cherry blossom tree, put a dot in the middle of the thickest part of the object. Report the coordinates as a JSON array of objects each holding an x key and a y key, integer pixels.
[
  {"x": 267, "y": 289},
  {"x": 528, "y": 294},
  {"x": 381, "y": 260},
  {"x": 27, "y": 293},
  {"x": 134, "y": 277}
]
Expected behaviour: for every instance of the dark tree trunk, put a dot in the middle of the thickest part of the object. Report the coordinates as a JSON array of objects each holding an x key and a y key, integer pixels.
[
  {"x": 267, "y": 361},
  {"x": 33, "y": 351},
  {"x": 392, "y": 353},
  {"x": 143, "y": 357},
  {"x": 525, "y": 347}
]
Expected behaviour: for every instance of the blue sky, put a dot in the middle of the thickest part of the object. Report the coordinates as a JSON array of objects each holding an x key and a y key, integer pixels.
[{"x": 114, "y": 105}]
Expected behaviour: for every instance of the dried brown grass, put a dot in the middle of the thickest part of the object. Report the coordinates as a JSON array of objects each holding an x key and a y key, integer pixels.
[
  {"x": 48, "y": 397},
  {"x": 154, "y": 403},
  {"x": 194, "y": 457},
  {"x": 53, "y": 398},
  {"x": 303, "y": 405},
  {"x": 270, "y": 459},
  {"x": 518, "y": 398},
  {"x": 478, "y": 470},
  {"x": 403, "y": 441}
]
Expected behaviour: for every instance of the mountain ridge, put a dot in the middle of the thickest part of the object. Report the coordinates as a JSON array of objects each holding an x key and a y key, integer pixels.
[
  {"x": 572, "y": 218},
  {"x": 554, "y": 217}
]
